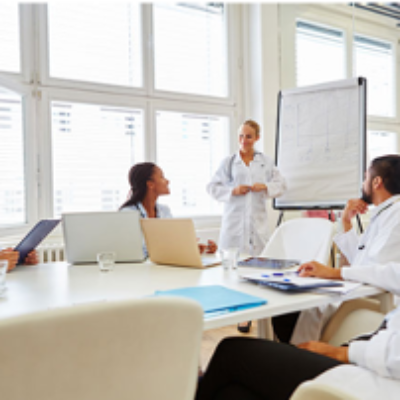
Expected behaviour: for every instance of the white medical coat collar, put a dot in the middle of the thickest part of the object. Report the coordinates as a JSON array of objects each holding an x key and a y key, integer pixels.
[
  {"x": 256, "y": 157},
  {"x": 386, "y": 204}
]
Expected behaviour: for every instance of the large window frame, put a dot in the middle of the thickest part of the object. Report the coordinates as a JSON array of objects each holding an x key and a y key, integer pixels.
[
  {"x": 340, "y": 17},
  {"x": 41, "y": 90}
]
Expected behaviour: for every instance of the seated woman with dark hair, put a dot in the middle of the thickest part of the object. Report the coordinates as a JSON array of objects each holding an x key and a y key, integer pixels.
[{"x": 147, "y": 182}]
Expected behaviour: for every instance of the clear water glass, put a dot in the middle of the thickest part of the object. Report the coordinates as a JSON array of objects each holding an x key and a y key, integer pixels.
[
  {"x": 3, "y": 273},
  {"x": 229, "y": 257},
  {"x": 106, "y": 261}
]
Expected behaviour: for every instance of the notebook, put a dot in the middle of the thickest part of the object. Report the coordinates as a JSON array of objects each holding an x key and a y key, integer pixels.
[
  {"x": 216, "y": 299},
  {"x": 172, "y": 241}
]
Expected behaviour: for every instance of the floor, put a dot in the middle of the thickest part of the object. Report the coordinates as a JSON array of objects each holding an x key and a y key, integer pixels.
[{"x": 211, "y": 339}]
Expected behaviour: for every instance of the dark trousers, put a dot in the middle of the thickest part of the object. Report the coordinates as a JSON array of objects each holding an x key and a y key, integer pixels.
[{"x": 256, "y": 369}]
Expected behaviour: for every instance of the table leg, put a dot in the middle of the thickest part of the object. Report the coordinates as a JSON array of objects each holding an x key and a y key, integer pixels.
[{"x": 264, "y": 329}]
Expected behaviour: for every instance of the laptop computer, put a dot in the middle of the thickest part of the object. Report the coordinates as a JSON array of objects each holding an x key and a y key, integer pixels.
[
  {"x": 172, "y": 241},
  {"x": 89, "y": 233}
]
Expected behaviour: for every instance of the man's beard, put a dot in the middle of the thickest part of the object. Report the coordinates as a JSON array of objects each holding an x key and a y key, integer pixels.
[{"x": 367, "y": 197}]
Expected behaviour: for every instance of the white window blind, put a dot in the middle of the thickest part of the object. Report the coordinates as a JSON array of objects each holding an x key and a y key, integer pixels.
[
  {"x": 320, "y": 54},
  {"x": 190, "y": 148},
  {"x": 95, "y": 42},
  {"x": 381, "y": 143},
  {"x": 12, "y": 168},
  {"x": 9, "y": 37},
  {"x": 375, "y": 61},
  {"x": 93, "y": 149},
  {"x": 190, "y": 48}
]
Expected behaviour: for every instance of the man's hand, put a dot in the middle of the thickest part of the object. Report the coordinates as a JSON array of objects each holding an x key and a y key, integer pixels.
[
  {"x": 325, "y": 349},
  {"x": 314, "y": 268},
  {"x": 259, "y": 187},
  {"x": 11, "y": 256},
  {"x": 241, "y": 190},
  {"x": 353, "y": 207},
  {"x": 211, "y": 247}
]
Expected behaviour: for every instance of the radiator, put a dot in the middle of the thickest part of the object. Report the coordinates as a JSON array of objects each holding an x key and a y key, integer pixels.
[{"x": 50, "y": 253}]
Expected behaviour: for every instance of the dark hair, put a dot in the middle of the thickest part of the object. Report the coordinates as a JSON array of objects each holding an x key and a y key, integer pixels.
[
  {"x": 138, "y": 176},
  {"x": 388, "y": 168}
]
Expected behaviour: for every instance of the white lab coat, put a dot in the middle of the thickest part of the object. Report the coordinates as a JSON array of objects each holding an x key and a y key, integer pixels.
[
  {"x": 244, "y": 222},
  {"x": 379, "y": 244},
  {"x": 376, "y": 373}
]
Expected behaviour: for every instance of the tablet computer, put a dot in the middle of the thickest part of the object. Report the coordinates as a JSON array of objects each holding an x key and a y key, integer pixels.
[
  {"x": 35, "y": 237},
  {"x": 266, "y": 262}
]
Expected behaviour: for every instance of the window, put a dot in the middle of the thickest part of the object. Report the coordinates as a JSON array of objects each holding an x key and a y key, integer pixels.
[
  {"x": 92, "y": 77},
  {"x": 95, "y": 42},
  {"x": 12, "y": 167},
  {"x": 320, "y": 54},
  {"x": 190, "y": 148},
  {"x": 375, "y": 61},
  {"x": 381, "y": 143},
  {"x": 9, "y": 38},
  {"x": 190, "y": 48},
  {"x": 93, "y": 149}
]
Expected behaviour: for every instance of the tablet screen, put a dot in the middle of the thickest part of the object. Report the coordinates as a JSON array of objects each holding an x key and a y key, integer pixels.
[
  {"x": 35, "y": 237},
  {"x": 264, "y": 262}
]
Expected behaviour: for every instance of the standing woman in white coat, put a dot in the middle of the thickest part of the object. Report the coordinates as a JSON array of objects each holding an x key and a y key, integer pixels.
[{"x": 244, "y": 182}]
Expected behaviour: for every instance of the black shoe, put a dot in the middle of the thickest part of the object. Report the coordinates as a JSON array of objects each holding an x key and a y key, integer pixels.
[{"x": 244, "y": 328}]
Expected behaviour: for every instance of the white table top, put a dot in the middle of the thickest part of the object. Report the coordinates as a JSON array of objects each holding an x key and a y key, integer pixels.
[{"x": 48, "y": 286}]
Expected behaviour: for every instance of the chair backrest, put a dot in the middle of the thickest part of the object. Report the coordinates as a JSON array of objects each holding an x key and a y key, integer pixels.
[
  {"x": 305, "y": 239},
  {"x": 318, "y": 391},
  {"x": 137, "y": 350}
]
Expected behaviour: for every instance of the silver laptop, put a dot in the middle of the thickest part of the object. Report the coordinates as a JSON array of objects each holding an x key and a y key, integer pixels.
[
  {"x": 172, "y": 241},
  {"x": 89, "y": 233}
]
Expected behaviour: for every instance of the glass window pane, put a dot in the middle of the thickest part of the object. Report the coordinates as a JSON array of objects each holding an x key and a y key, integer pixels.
[
  {"x": 9, "y": 37},
  {"x": 375, "y": 61},
  {"x": 95, "y": 42},
  {"x": 190, "y": 48},
  {"x": 381, "y": 143},
  {"x": 12, "y": 168},
  {"x": 93, "y": 149},
  {"x": 190, "y": 148},
  {"x": 320, "y": 54}
]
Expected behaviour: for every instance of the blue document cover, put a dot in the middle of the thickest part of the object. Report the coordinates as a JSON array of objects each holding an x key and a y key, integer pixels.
[{"x": 216, "y": 299}]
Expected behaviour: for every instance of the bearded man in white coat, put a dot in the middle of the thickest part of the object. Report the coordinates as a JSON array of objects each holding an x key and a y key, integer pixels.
[
  {"x": 368, "y": 367},
  {"x": 380, "y": 244}
]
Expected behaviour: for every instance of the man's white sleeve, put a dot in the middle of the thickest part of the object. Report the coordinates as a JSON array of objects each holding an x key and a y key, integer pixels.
[
  {"x": 347, "y": 243},
  {"x": 381, "y": 354}
]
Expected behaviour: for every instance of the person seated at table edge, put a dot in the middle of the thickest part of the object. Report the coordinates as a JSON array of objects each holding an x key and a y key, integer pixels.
[
  {"x": 147, "y": 182},
  {"x": 12, "y": 256},
  {"x": 249, "y": 368}
]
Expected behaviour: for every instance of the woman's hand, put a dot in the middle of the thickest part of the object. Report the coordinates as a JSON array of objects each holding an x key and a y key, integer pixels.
[
  {"x": 259, "y": 187},
  {"x": 241, "y": 190},
  {"x": 11, "y": 256},
  {"x": 325, "y": 349},
  {"x": 211, "y": 247}
]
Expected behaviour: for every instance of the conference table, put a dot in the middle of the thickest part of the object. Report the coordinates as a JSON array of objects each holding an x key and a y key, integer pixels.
[{"x": 56, "y": 285}]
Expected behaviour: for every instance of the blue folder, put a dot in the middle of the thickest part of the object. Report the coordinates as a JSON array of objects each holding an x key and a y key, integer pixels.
[{"x": 216, "y": 300}]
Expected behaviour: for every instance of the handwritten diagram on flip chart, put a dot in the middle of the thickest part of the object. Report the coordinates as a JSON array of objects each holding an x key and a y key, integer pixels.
[{"x": 321, "y": 144}]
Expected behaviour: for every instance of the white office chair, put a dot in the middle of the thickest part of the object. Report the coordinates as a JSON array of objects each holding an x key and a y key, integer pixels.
[
  {"x": 137, "y": 350},
  {"x": 318, "y": 391},
  {"x": 304, "y": 239}
]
